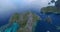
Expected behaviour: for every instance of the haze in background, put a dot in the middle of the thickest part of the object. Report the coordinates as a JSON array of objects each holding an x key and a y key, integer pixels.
[{"x": 8, "y": 7}]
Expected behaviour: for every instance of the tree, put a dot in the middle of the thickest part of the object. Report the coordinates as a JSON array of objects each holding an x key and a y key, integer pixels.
[
  {"x": 57, "y": 3},
  {"x": 49, "y": 9}
]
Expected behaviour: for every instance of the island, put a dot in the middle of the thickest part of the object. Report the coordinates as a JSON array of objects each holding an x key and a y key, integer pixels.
[
  {"x": 50, "y": 9},
  {"x": 23, "y": 22}
]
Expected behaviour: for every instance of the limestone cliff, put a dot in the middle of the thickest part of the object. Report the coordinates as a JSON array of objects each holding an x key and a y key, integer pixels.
[{"x": 25, "y": 20}]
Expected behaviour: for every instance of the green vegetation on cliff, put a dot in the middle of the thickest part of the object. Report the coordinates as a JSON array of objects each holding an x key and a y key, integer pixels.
[
  {"x": 25, "y": 18},
  {"x": 51, "y": 9},
  {"x": 22, "y": 19}
]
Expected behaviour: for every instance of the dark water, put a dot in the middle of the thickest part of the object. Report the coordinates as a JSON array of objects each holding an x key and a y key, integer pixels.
[
  {"x": 5, "y": 17},
  {"x": 4, "y": 20},
  {"x": 43, "y": 26}
]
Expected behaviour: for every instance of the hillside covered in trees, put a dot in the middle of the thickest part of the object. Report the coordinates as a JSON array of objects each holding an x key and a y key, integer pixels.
[
  {"x": 52, "y": 9},
  {"x": 24, "y": 22}
]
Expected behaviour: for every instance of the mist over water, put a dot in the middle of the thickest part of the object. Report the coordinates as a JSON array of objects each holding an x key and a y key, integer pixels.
[{"x": 8, "y": 7}]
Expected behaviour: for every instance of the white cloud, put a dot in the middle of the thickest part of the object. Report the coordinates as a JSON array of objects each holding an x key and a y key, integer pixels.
[
  {"x": 12, "y": 4},
  {"x": 30, "y": 1},
  {"x": 6, "y": 5}
]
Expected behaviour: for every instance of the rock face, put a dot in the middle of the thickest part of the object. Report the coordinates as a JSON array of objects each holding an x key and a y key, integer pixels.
[
  {"x": 31, "y": 18},
  {"x": 25, "y": 21},
  {"x": 29, "y": 23}
]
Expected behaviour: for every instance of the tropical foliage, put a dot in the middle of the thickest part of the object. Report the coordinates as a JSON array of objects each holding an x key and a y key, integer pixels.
[
  {"x": 50, "y": 9},
  {"x": 22, "y": 20}
]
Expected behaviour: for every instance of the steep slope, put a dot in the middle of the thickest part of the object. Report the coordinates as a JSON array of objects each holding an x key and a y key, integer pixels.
[{"x": 25, "y": 21}]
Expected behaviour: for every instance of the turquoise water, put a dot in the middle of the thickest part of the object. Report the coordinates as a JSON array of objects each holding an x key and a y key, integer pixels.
[
  {"x": 13, "y": 28},
  {"x": 41, "y": 25}
]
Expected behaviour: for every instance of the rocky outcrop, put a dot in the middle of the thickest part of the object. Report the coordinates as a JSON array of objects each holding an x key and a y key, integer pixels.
[
  {"x": 25, "y": 21},
  {"x": 31, "y": 19}
]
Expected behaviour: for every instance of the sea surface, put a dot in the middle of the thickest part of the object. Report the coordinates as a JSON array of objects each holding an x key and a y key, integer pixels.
[{"x": 41, "y": 25}]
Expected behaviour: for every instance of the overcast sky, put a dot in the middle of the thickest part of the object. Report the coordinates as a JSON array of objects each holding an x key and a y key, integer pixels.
[{"x": 7, "y": 5}]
